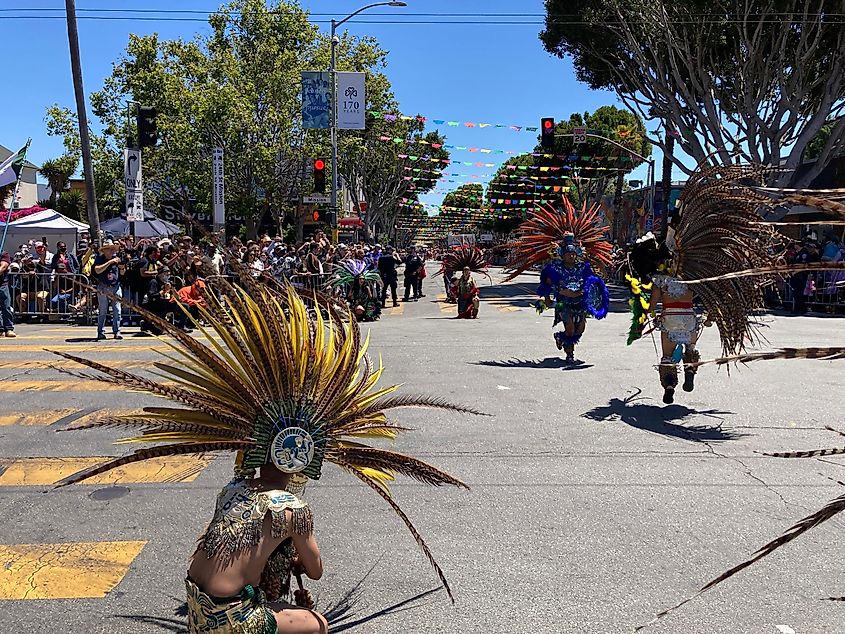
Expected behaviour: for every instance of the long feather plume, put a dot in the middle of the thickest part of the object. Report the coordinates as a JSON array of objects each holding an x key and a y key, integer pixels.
[{"x": 830, "y": 510}]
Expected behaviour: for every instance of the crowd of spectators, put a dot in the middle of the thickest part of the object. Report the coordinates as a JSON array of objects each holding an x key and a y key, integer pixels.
[{"x": 40, "y": 280}]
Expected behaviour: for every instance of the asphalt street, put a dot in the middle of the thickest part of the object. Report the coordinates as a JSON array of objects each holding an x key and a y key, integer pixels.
[{"x": 592, "y": 505}]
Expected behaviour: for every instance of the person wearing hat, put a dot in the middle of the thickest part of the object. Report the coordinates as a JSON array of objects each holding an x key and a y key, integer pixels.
[
  {"x": 161, "y": 300},
  {"x": 107, "y": 273}
]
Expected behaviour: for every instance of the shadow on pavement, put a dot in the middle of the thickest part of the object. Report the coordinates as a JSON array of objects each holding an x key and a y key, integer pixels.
[
  {"x": 169, "y": 625},
  {"x": 661, "y": 419},
  {"x": 342, "y": 612},
  {"x": 549, "y": 363}
]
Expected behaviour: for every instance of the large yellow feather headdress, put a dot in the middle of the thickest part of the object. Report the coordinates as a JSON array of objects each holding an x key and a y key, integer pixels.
[{"x": 276, "y": 382}]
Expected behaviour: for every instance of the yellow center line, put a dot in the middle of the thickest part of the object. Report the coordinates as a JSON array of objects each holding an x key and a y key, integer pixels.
[
  {"x": 86, "y": 570},
  {"x": 49, "y": 471}
]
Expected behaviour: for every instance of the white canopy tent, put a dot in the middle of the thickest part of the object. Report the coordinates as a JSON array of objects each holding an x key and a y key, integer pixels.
[{"x": 47, "y": 223}]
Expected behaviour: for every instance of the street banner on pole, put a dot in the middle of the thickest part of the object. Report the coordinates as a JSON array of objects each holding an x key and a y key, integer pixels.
[
  {"x": 219, "y": 189},
  {"x": 316, "y": 99},
  {"x": 134, "y": 185},
  {"x": 352, "y": 99}
]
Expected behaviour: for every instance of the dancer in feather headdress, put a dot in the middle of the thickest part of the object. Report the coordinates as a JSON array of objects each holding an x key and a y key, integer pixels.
[
  {"x": 360, "y": 286},
  {"x": 721, "y": 250},
  {"x": 574, "y": 240},
  {"x": 288, "y": 391},
  {"x": 466, "y": 259}
]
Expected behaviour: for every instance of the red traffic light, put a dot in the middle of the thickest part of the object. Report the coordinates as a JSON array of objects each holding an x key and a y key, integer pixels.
[
  {"x": 547, "y": 124},
  {"x": 316, "y": 216},
  {"x": 319, "y": 164}
]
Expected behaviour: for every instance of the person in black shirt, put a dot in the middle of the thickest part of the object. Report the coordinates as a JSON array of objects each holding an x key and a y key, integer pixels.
[
  {"x": 387, "y": 264},
  {"x": 808, "y": 254},
  {"x": 413, "y": 264}
]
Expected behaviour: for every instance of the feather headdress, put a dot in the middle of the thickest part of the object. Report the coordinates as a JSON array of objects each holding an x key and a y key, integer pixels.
[
  {"x": 548, "y": 226},
  {"x": 350, "y": 269},
  {"x": 465, "y": 256},
  {"x": 275, "y": 383},
  {"x": 721, "y": 247}
]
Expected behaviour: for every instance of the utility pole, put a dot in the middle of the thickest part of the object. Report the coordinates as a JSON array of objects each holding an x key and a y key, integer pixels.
[
  {"x": 82, "y": 118},
  {"x": 666, "y": 183},
  {"x": 335, "y": 40}
]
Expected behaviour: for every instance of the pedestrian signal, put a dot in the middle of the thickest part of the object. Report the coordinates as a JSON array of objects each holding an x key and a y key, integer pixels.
[
  {"x": 147, "y": 129},
  {"x": 547, "y": 132},
  {"x": 319, "y": 176},
  {"x": 316, "y": 216}
]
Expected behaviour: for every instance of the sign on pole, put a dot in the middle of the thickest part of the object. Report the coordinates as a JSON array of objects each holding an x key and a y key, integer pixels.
[
  {"x": 219, "y": 190},
  {"x": 352, "y": 100},
  {"x": 134, "y": 185},
  {"x": 316, "y": 99},
  {"x": 316, "y": 198},
  {"x": 579, "y": 135}
]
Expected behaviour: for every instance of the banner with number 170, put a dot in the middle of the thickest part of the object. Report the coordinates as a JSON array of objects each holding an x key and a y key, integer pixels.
[{"x": 351, "y": 101}]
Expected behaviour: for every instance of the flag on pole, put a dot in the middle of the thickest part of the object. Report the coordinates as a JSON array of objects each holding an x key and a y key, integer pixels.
[{"x": 11, "y": 168}]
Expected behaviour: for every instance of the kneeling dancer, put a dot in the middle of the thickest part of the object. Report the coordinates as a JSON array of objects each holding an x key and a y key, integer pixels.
[{"x": 287, "y": 390}]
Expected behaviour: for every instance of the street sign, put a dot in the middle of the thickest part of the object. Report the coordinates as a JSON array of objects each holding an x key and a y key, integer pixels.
[
  {"x": 218, "y": 190},
  {"x": 316, "y": 198},
  {"x": 134, "y": 185},
  {"x": 135, "y": 206},
  {"x": 579, "y": 135}
]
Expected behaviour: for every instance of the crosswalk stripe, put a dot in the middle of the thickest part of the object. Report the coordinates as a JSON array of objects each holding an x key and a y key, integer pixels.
[
  {"x": 46, "y": 364},
  {"x": 85, "y": 570},
  {"x": 104, "y": 346},
  {"x": 60, "y": 386},
  {"x": 43, "y": 418},
  {"x": 49, "y": 471}
]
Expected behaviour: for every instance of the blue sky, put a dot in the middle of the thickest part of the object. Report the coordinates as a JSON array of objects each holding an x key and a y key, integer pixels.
[{"x": 459, "y": 72}]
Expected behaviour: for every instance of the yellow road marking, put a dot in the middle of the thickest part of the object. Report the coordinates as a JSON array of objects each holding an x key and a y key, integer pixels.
[
  {"x": 48, "y": 417},
  {"x": 60, "y": 386},
  {"x": 49, "y": 471},
  {"x": 28, "y": 419},
  {"x": 64, "y": 571},
  {"x": 44, "y": 364},
  {"x": 104, "y": 346},
  {"x": 397, "y": 310}
]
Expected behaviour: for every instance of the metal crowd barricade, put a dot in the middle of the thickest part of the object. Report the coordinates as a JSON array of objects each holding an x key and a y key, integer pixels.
[
  {"x": 828, "y": 296},
  {"x": 50, "y": 296},
  {"x": 311, "y": 281}
]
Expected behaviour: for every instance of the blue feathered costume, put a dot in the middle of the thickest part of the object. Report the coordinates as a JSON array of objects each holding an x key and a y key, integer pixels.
[{"x": 556, "y": 279}]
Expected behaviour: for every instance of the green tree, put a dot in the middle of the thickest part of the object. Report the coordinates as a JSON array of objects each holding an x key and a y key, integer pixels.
[
  {"x": 748, "y": 80},
  {"x": 58, "y": 172},
  {"x": 237, "y": 88},
  {"x": 72, "y": 205}
]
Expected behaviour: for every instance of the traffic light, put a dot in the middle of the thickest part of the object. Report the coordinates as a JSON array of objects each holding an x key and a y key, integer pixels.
[
  {"x": 316, "y": 216},
  {"x": 319, "y": 176},
  {"x": 547, "y": 132},
  {"x": 147, "y": 130}
]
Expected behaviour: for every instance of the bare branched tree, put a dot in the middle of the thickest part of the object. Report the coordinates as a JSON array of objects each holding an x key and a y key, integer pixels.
[{"x": 733, "y": 80}]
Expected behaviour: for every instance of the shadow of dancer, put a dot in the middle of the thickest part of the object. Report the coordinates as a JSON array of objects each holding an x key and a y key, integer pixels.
[
  {"x": 660, "y": 419},
  {"x": 549, "y": 363}
]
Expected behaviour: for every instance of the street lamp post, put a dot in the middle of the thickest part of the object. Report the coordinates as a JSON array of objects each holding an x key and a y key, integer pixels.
[{"x": 333, "y": 71}]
